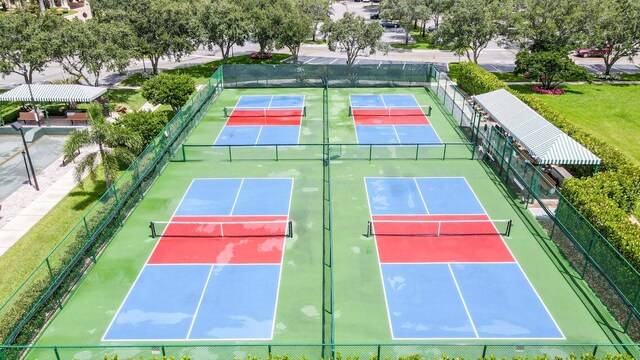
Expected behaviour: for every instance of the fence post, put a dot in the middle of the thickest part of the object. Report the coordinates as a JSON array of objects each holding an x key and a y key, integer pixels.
[
  {"x": 595, "y": 350},
  {"x": 370, "y": 150},
  {"x": 444, "y": 153},
  {"x": 49, "y": 268},
  {"x": 229, "y": 146},
  {"x": 417, "y": 150},
  {"x": 586, "y": 263},
  {"x": 163, "y": 352},
  {"x": 484, "y": 351},
  {"x": 55, "y": 351},
  {"x": 276, "y": 152},
  {"x": 378, "y": 355},
  {"x": 504, "y": 150},
  {"x": 184, "y": 155},
  {"x": 453, "y": 101},
  {"x": 269, "y": 349},
  {"x": 633, "y": 305}
]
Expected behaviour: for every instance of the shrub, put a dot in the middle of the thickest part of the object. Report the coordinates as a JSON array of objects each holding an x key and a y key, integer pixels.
[
  {"x": 550, "y": 68},
  {"x": 169, "y": 89},
  {"x": 147, "y": 124},
  {"x": 475, "y": 80}
]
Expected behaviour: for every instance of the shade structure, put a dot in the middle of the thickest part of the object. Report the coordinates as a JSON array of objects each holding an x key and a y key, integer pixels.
[
  {"x": 53, "y": 93},
  {"x": 544, "y": 141}
]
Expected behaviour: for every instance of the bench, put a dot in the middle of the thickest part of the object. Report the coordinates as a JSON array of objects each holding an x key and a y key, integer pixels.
[
  {"x": 29, "y": 116},
  {"x": 80, "y": 116}
]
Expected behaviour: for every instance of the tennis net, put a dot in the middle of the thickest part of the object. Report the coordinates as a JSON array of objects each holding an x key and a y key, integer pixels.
[
  {"x": 264, "y": 112},
  {"x": 221, "y": 229},
  {"x": 390, "y": 111},
  {"x": 439, "y": 227}
]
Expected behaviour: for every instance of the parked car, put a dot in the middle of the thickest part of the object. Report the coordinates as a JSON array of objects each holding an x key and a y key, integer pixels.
[
  {"x": 593, "y": 52},
  {"x": 375, "y": 15},
  {"x": 389, "y": 23}
]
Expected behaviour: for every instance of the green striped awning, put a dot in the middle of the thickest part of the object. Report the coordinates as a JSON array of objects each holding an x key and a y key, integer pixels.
[
  {"x": 544, "y": 142},
  {"x": 53, "y": 93}
]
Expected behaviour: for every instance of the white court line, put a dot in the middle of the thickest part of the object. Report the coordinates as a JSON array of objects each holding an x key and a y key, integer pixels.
[
  {"x": 195, "y": 314},
  {"x": 258, "y": 137},
  {"x": 396, "y": 133},
  {"x": 233, "y": 207},
  {"x": 415, "y": 180},
  {"x": 143, "y": 266},
  {"x": 466, "y": 309}
]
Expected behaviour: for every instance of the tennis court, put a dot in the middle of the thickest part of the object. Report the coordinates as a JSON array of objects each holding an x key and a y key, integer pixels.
[
  {"x": 225, "y": 238},
  {"x": 263, "y": 120},
  {"x": 217, "y": 266},
  {"x": 440, "y": 256},
  {"x": 390, "y": 119}
]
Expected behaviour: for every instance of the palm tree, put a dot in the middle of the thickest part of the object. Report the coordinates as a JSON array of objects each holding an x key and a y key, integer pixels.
[{"x": 116, "y": 146}]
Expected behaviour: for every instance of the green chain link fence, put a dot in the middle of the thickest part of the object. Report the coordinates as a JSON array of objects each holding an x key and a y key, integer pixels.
[
  {"x": 44, "y": 290},
  {"x": 604, "y": 269}
]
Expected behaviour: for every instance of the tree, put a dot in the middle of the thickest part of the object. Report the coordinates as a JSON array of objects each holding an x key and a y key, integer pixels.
[
  {"x": 319, "y": 11},
  {"x": 146, "y": 124},
  {"x": 353, "y": 36},
  {"x": 438, "y": 8},
  {"x": 169, "y": 89},
  {"x": 266, "y": 19},
  {"x": 224, "y": 25},
  {"x": 25, "y": 42},
  {"x": 550, "y": 68},
  {"x": 615, "y": 29},
  {"x": 88, "y": 48},
  {"x": 405, "y": 11},
  {"x": 116, "y": 146},
  {"x": 162, "y": 28},
  {"x": 543, "y": 25},
  {"x": 469, "y": 26},
  {"x": 296, "y": 28}
]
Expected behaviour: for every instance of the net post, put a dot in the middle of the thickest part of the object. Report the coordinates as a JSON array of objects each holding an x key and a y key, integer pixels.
[
  {"x": 304, "y": 111},
  {"x": 429, "y": 111},
  {"x": 229, "y": 146},
  {"x": 444, "y": 153},
  {"x": 290, "y": 229},
  {"x": 350, "y": 111},
  {"x": 509, "y": 225},
  {"x": 152, "y": 226},
  {"x": 184, "y": 155},
  {"x": 369, "y": 228},
  {"x": 224, "y": 112},
  {"x": 417, "y": 150},
  {"x": 370, "y": 151},
  {"x": 277, "y": 157}
]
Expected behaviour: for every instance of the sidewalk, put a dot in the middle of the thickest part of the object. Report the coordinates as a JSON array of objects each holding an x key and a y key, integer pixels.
[{"x": 25, "y": 207}]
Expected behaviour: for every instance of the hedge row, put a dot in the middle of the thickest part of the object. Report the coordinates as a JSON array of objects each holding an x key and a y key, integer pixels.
[{"x": 605, "y": 199}]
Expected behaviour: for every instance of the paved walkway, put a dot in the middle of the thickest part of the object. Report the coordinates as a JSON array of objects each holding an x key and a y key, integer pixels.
[{"x": 25, "y": 207}]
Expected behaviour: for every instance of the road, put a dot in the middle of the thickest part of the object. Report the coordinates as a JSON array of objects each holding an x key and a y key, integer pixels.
[{"x": 493, "y": 58}]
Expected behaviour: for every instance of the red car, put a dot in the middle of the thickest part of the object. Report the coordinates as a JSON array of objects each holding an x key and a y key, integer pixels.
[{"x": 593, "y": 52}]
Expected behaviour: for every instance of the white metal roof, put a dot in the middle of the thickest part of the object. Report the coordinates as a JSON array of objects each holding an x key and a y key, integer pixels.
[
  {"x": 544, "y": 142},
  {"x": 53, "y": 93}
]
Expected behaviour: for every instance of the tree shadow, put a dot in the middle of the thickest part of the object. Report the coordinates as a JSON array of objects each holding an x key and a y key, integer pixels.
[{"x": 88, "y": 196}]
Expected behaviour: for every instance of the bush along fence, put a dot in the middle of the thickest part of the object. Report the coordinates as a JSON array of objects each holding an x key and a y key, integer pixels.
[
  {"x": 342, "y": 352},
  {"x": 27, "y": 309},
  {"x": 590, "y": 224}
]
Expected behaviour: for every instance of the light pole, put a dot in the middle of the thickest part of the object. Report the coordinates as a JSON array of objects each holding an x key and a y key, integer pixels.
[
  {"x": 17, "y": 127},
  {"x": 26, "y": 167}
]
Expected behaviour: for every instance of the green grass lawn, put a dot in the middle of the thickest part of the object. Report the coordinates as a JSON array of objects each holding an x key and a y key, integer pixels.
[
  {"x": 131, "y": 97},
  {"x": 23, "y": 257},
  {"x": 422, "y": 42},
  {"x": 605, "y": 111}
]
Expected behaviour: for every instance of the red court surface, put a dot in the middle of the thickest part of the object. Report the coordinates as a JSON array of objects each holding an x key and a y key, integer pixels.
[
  {"x": 390, "y": 117},
  {"x": 241, "y": 117},
  {"x": 464, "y": 241},
  {"x": 202, "y": 243}
]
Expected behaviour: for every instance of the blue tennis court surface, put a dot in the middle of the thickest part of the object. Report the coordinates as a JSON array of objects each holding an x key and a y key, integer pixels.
[
  {"x": 218, "y": 300},
  {"x": 430, "y": 292},
  {"x": 396, "y": 134},
  {"x": 264, "y": 120}
]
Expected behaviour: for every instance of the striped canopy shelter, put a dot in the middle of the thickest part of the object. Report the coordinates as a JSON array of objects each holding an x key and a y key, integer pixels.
[
  {"x": 53, "y": 93},
  {"x": 545, "y": 143}
]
